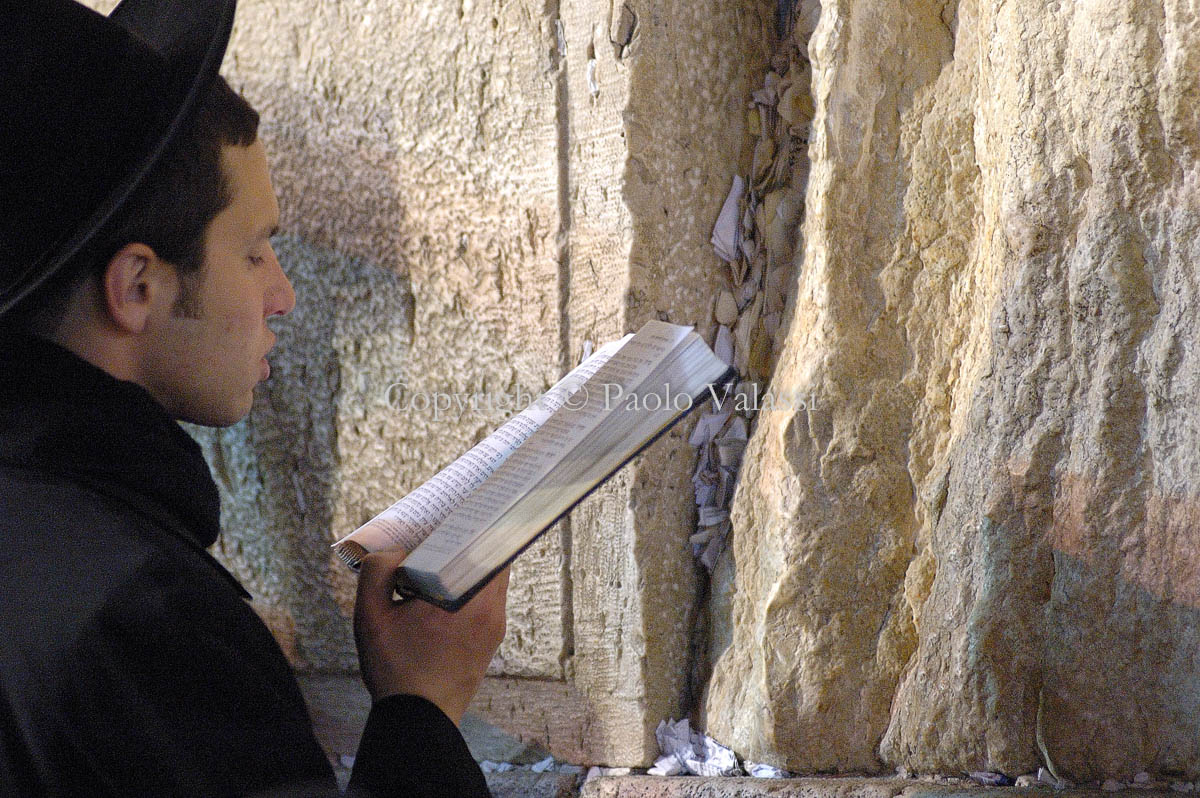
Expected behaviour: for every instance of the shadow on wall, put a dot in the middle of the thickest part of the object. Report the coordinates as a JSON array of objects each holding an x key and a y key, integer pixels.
[
  {"x": 338, "y": 182},
  {"x": 279, "y": 471}
]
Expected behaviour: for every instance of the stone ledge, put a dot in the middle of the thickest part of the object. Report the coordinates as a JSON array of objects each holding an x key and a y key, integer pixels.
[
  {"x": 533, "y": 785},
  {"x": 816, "y": 787}
]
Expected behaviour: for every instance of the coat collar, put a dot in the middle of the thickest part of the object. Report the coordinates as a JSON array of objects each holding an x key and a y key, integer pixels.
[{"x": 60, "y": 414}]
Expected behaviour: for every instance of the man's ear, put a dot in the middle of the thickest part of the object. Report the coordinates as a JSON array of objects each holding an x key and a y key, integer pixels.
[{"x": 137, "y": 284}]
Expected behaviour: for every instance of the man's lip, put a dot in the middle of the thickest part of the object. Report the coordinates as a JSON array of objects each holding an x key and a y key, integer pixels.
[{"x": 266, "y": 365}]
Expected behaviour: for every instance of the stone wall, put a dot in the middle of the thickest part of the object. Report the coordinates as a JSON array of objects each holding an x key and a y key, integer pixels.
[
  {"x": 963, "y": 538},
  {"x": 974, "y": 548}
]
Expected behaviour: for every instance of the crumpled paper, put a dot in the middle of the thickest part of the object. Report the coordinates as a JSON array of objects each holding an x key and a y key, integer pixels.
[
  {"x": 990, "y": 778},
  {"x": 687, "y": 751},
  {"x": 723, "y": 344},
  {"x": 761, "y": 770},
  {"x": 595, "y": 772},
  {"x": 488, "y": 766},
  {"x": 726, "y": 236},
  {"x": 547, "y": 765}
]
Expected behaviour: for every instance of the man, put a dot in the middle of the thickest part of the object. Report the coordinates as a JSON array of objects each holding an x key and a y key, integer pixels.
[{"x": 136, "y": 281}]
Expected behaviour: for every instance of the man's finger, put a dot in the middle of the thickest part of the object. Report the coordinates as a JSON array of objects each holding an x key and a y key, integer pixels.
[{"x": 377, "y": 575}]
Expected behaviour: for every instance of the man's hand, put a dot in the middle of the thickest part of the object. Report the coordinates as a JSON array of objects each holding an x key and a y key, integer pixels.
[{"x": 419, "y": 649}]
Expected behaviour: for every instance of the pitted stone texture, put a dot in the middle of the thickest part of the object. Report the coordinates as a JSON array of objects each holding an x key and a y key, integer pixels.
[
  {"x": 975, "y": 550},
  {"x": 1067, "y": 569},
  {"x": 522, "y": 784}
]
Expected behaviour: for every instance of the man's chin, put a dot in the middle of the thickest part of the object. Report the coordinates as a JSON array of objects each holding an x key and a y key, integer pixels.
[{"x": 218, "y": 416}]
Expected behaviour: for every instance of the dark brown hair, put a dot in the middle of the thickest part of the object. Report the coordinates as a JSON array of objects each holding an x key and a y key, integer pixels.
[{"x": 169, "y": 212}]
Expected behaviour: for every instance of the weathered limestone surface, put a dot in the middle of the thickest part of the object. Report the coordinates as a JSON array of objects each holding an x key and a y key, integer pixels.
[{"x": 973, "y": 548}]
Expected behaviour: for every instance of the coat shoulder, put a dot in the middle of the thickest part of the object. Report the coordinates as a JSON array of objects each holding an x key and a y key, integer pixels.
[{"x": 115, "y": 622}]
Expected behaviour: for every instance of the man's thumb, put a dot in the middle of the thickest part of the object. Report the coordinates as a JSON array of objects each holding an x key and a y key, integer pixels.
[{"x": 377, "y": 575}]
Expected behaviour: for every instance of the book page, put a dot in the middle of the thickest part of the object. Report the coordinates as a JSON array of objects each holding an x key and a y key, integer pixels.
[
  {"x": 409, "y": 521},
  {"x": 678, "y": 384},
  {"x": 550, "y": 444}
]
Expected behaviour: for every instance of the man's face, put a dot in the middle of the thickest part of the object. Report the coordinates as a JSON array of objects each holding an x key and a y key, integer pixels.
[{"x": 204, "y": 365}]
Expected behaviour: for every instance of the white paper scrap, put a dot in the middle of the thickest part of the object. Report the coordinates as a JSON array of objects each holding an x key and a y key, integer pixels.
[
  {"x": 726, "y": 235},
  {"x": 737, "y": 429},
  {"x": 544, "y": 765},
  {"x": 595, "y": 772},
  {"x": 713, "y": 759},
  {"x": 989, "y": 778},
  {"x": 723, "y": 345},
  {"x": 698, "y": 753},
  {"x": 667, "y": 766},
  {"x": 488, "y": 766},
  {"x": 593, "y": 86},
  {"x": 561, "y": 34},
  {"x": 707, "y": 427},
  {"x": 709, "y": 560},
  {"x": 761, "y": 770},
  {"x": 729, "y": 451}
]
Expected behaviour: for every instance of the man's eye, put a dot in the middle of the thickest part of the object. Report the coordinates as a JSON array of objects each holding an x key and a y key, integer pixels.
[{"x": 257, "y": 260}]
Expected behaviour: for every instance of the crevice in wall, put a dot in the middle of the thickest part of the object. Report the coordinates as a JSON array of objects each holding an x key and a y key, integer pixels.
[
  {"x": 758, "y": 235},
  {"x": 558, "y": 65}
]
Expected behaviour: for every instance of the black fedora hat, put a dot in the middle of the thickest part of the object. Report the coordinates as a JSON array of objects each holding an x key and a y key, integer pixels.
[{"x": 88, "y": 106}]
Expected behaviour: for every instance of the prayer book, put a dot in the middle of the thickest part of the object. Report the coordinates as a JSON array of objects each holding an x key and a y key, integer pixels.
[{"x": 471, "y": 519}]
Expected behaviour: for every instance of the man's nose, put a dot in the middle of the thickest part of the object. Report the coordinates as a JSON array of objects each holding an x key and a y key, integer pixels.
[{"x": 281, "y": 297}]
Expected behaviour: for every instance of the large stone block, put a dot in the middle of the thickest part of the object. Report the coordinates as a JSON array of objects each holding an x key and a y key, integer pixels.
[{"x": 973, "y": 550}]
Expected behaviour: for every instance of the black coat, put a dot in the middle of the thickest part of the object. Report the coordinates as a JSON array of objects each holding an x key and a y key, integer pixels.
[{"x": 130, "y": 662}]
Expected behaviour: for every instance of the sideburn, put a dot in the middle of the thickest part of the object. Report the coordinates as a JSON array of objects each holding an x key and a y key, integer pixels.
[{"x": 187, "y": 304}]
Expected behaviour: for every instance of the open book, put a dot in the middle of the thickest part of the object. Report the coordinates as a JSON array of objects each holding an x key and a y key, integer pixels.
[{"x": 473, "y": 517}]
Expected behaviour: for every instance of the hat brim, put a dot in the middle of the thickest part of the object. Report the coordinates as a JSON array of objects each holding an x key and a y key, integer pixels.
[{"x": 191, "y": 36}]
